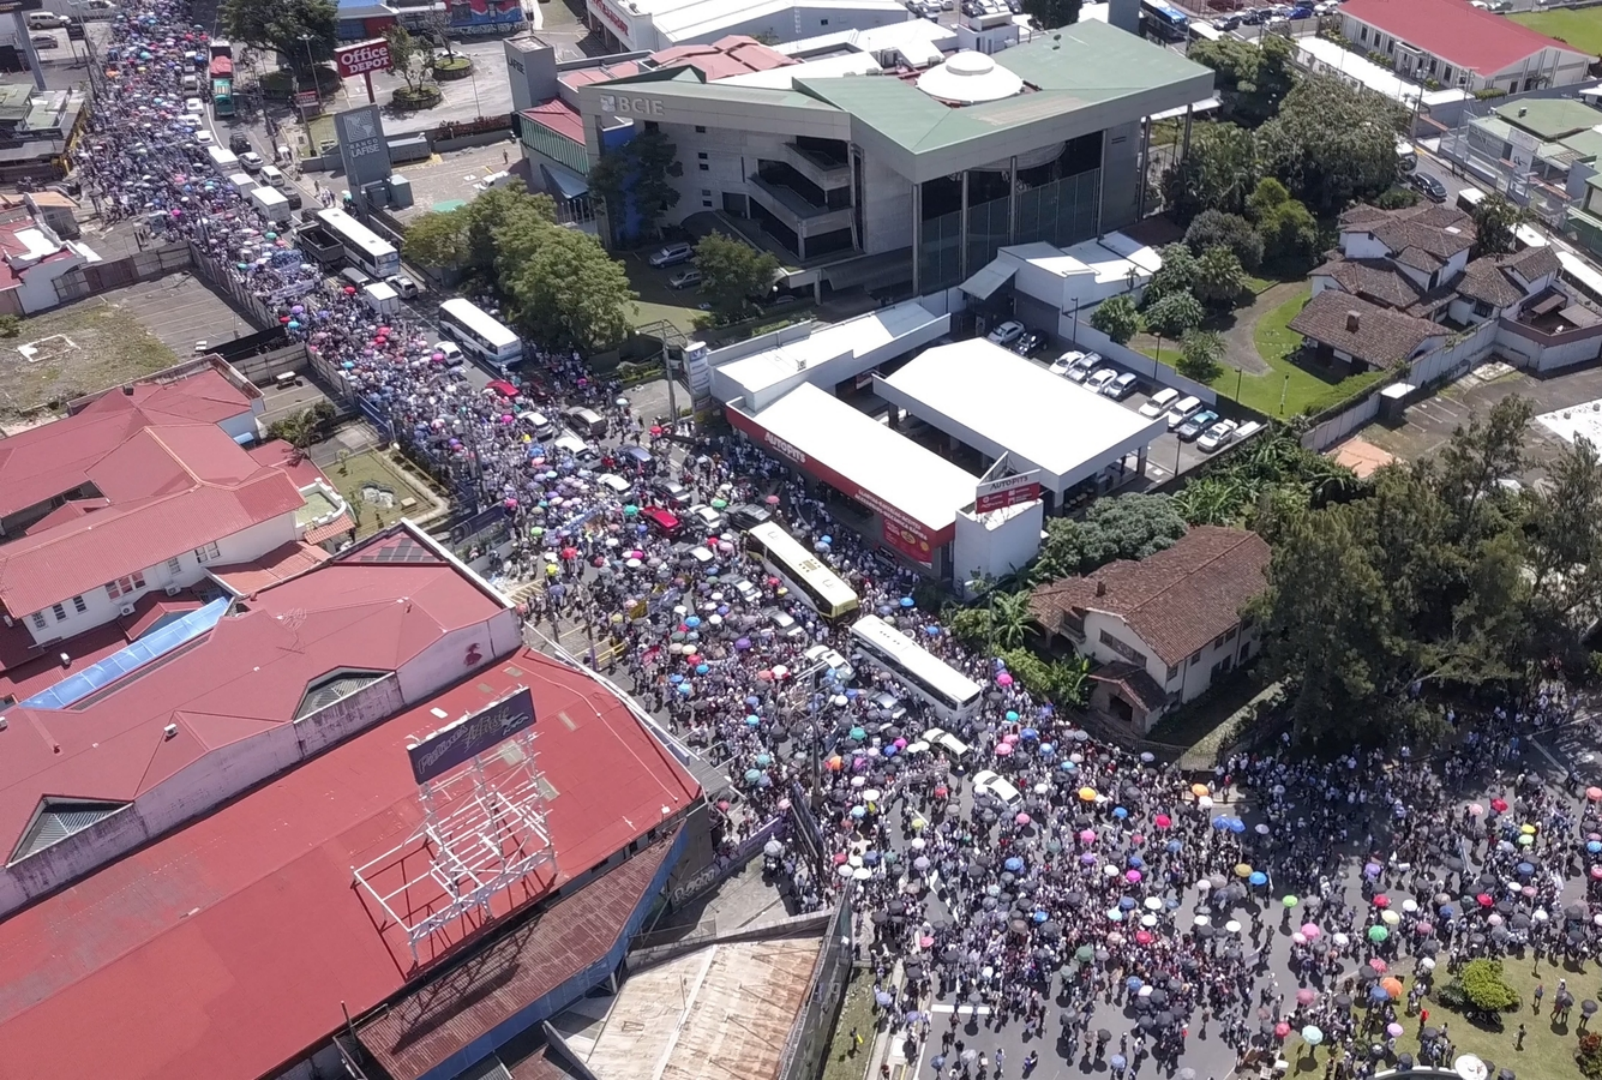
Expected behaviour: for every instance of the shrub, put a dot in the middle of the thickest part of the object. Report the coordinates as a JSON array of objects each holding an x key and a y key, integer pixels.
[
  {"x": 1485, "y": 988},
  {"x": 1117, "y": 318},
  {"x": 1589, "y": 1055},
  {"x": 1214, "y": 228},
  {"x": 1173, "y": 315},
  {"x": 10, "y": 326},
  {"x": 1397, "y": 198}
]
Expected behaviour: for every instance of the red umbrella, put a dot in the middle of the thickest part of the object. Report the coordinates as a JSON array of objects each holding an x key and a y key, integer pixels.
[
  {"x": 1594, "y": 794},
  {"x": 1377, "y": 964},
  {"x": 1162, "y": 821},
  {"x": 1381, "y": 901},
  {"x": 1281, "y": 1030},
  {"x": 1484, "y": 900},
  {"x": 1142, "y": 937},
  {"x": 941, "y": 792},
  {"x": 570, "y": 553},
  {"x": 1499, "y": 805}
]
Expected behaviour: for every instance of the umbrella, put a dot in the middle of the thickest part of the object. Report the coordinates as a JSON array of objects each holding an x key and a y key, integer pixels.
[
  {"x": 1311, "y": 1035},
  {"x": 1290, "y": 902},
  {"x": 1377, "y": 934}
]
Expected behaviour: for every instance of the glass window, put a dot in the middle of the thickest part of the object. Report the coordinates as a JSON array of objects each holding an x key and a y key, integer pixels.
[
  {"x": 39, "y": 620},
  {"x": 60, "y": 612},
  {"x": 175, "y": 564},
  {"x": 207, "y": 553},
  {"x": 79, "y": 605}
]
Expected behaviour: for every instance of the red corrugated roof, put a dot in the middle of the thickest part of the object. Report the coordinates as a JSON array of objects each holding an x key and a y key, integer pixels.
[
  {"x": 227, "y": 948},
  {"x": 253, "y": 668},
  {"x": 279, "y": 564},
  {"x": 559, "y": 117},
  {"x": 71, "y": 510},
  {"x": 439, "y": 1018},
  {"x": 26, "y": 669},
  {"x": 340, "y": 526},
  {"x": 1456, "y": 31}
]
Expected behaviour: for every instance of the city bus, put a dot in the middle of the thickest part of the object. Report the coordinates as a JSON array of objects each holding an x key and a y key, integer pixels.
[
  {"x": 1200, "y": 31},
  {"x": 802, "y": 571},
  {"x": 1163, "y": 22},
  {"x": 952, "y": 695},
  {"x": 363, "y": 248},
  {"x": 480, "y": 334}
]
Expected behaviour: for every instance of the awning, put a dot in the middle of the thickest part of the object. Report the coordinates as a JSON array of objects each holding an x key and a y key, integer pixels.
[
  {"x": 883, "y": 268},
  {"x": 566, "y": 184},
  {"x": 982, "y": 286}
]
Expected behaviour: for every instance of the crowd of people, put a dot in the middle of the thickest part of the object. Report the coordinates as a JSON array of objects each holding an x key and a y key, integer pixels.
[{"x": 1111, "y": 909}]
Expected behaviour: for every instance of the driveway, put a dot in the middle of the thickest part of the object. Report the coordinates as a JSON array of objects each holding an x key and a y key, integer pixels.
[{"x": 1240, "y": 349}]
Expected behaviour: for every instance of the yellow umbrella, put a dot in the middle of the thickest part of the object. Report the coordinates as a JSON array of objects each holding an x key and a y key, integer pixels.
[
  {"x": 1527, "y": 830},
  {"x": 1198, "y": 790},
  {"x": 1242, "y": 870},
  {"x": 1087, "y": 794}
]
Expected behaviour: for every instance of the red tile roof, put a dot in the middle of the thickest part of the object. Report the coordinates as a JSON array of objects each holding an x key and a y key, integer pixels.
[
  {"x": 1456, "y": 31},
  {"x": 439, "y": 1018},
  {"x": 227, "y": 948},
  {"x": 724, "y": 58},
  {"x": 340, "y": 526},
  {"x": 559, "y": 117},
  {"x": 279, "y": 564},
  {"x": 247, "y": 676},
  {"x": 1176, "y": 600}
]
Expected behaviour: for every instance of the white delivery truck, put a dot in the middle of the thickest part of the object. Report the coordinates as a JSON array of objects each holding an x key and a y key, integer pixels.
[
  {"x": 381, "y": 298},
  {"x": 225, "y": 160},
  {"x": 243, "y": 182},
  {"x": 272, "y": 204}
]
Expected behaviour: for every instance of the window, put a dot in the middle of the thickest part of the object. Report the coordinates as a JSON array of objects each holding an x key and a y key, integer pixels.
[
  {"x": 1362, "y": 34},
  {"x": 60, "y": 612},
  {"x": 39, "y": 620},
  {"x": 1195, "y": 657},
  {"x": 124, "y": 585},
  {"x": 1173, "y": 672},
  {"x": 1432, "y": 65},
  {"x": 701, "y": 155},
  {"x": 1233, "y": 630},
  {"x": 704, "y": 167},
  {"x": 1446, "y": 74},
  {"x": 79, "y": 605},
  {"x": 175, "y": 565},
  {"x": 1218, "y": 641},
  {"x": 1482, "y": 309},
  {"x": 207, "y": 553},
  {"x": 706, "y": 193},
  {"x": 706, "y": 203},
  {"x": 700, "y": 129}
]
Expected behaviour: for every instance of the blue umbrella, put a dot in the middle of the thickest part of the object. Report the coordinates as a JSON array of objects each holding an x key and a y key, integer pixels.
[
  {"x": 932, "y": 630},
  {"x": 859, "y": 811},
  {"x": 1220, "y": 823},
  {"x": 1174, "y": 845},
  {"x": 1378, "y": 993},
  {"x": 1117, "y": 1061},
  {"x": 1029, "y": 733},
  {"x": 675, "y": 679},
  {"x": 1447, "y": 911},
  {"x": 685, "y": 688},
  {"x": 1120, "y": 813},
  {"x": 1048, "y": 748},
  {"x": 1012, "y": 717},
  {"x": 890, "y": 751},
  {"x": 1525, "y": 869},
  {"x": 752, "y": 775},
  {"x": 1593, "y": 846},
  {"x": 753, "y": 721},
  {"x": 1040, "y": 916},
  {"x": 1068, "y": 766},
  {"x": 853, "y": 692},
  {"x": 764, "y": 760},
  {"x": 702, "y": 669},
  {"x": 1134, "y": 983},
  {"x": 752, "y": 700},
  {"x": 693, "y": 621},
  {"x": 1127, "y": 903},
  {"x": 1258, "y": 878},
  {"x": 1014, "y": 864},
  {"x": 870, "y": 858},
  {"x": 908, "y": 602},
  {"x": 1136, "y": 861},
  {"x": 1237, "y": 826}
]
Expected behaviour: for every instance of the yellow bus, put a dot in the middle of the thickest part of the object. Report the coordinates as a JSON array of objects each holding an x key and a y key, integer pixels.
[{"x": 802, "y": 571}]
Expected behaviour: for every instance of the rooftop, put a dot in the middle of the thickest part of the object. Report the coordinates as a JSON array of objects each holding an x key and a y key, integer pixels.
[
  {"x": 1456, "y": 31},
  {"x": 220, "y": 928},
  {"x": 820, "y": 432},
  {"x": 999, "y": 402},
  {"x": 1424, "y": 236},
  {"x": 1550, "y": 118},
  {"x": 1176, "y": 600},
  {"x": 1377, "y": 336}
]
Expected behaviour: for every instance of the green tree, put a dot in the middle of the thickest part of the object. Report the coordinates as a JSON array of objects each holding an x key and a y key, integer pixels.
[
  {"x": 572, "y": 294},
  {"x": 1177, "y": 274},
  {"x": 1214, "y": 228},
  {"x": 1331, "y": 143},
  {"x": 409, "y": 58},
  {"x": 1268, "y": 194},
  {"x": 1010, "y": 619},
  {"x": 1495, "y": 218},
  {"x": 1128, "y": 527},
  {"x": 635, "y": 183},
  {"x": 1175, "y": 315},
  {"x": 1290, "y": 236},
  {"x": 1396, "y": 198},
  {"x": 1252, "y": 77},
  {"x": 493, "y": 213},
  {"x": 438, "y": 241},
  {"x": 1052, "y": 14},
  {"x": 290, "y": 27},
  {"x": 1216, "y": 173},
  {"x": 1118, "y": 318},
  {"x": 1201, "y": 354},
  {"x": 733, "y": 273},
  {"x": 1220, "y": 278},
  {"x": 1485, "y": 988}
]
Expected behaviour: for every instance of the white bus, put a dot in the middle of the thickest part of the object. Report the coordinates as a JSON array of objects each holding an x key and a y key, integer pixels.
[
  {"x": 363, "y": 247},
  {"x": 952, "y": 695},
  {"x": 805, "y": 574},
  {"x": 480, "y": 334},
  {"x": 1201, "y": 31}
]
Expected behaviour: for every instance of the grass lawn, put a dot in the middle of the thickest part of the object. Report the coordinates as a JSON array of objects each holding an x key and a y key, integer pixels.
[
  {"x": 1548, "y": 1048},
  {"x": 844, "y": 1060},
  {"x": 84, "y": 347},
  {"x": 370, "y": 468},
  {"x": 1290, "y": 389},
  {"x": 659, "y": 302},
  {"x": 1581, "y": 28}
]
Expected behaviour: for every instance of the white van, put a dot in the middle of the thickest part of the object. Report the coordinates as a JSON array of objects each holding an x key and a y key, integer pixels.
[
  {"x": 45, "y": 20},
  {"x": 274, "y": 176},
  {"x": 191, "y": 82},
  {"x": 572, "y": 444},
  {"x": 1159, "y": 403},
  {"x": 942, "y": 739},
  {"x": 1182, "y": 410},
  {"x": 536, "y": 420},
  {"x": 832, "y": 661},
  {"x": 615, "y": 484}
]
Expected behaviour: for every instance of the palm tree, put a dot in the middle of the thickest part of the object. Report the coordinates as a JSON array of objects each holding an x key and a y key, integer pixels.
[{"x": 1010, "y": 619}]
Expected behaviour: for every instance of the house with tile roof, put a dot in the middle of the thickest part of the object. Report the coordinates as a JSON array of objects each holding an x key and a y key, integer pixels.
[
  {"x": 1459, "y": 45},
  {"x": 1162, "y": 629},
  {"x": 138, "y": 492}
]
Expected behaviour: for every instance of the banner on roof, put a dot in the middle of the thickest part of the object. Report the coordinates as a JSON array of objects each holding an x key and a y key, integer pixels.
[{"x": 451, "y": 745}]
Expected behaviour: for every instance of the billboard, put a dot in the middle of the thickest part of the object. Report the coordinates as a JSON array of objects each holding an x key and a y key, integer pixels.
[
  {"x": 362, "y": 149},
  {"x": 1007, "y": 491},
  {"x": 362, "y": 57},
  {"x": 451, "y": 745}
]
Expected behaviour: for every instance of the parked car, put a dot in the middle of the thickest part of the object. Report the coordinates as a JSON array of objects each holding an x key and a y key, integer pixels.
[
  {"x": 1067, "y": 360},
  {"x": 1100, "y": 380},
  {"x": 1007, "y": 333},
  {"x": 941, "y": 739},
  {"x": 706, "y": 518},
  {"x": 1226, "y": 24},
  {"x": 685, "y": 279},
  {"x": 1087, "y": 363},
  {"x": 748, "y": 515},
  {"x": 989, "y": 783},
  {"x": 671, "y": 255},
  {"x": 1197, "y": 424},
  {"x": 45, "y": 40},
  {"x": 1217, "y": 435},
  {"x": 502, "y": 387},
  {"x": 1122, "y": 386},
  {"x": 748, "y": 592},
  {"x": 782, "y": 622},
  {"x": 404, "y": 286},
  {"x": 1182, "y": 410},
  {"x": 663, "y": 521},
  {"x": 1030, "y": 343},
  {"x": 1159, "y": 403},
  {"x": 1428, "y": 186},
  {"x": 452, "y": 352},
  {"x": 673, "y": 492},
  {"x": 831, "y": 661}
]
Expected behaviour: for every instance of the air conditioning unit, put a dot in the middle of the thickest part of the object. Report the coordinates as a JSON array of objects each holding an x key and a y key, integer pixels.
[
  {"x": 126, "y": 609},
  {"x": 174, "y": 590},
  {"x": 170, "y": 730}
]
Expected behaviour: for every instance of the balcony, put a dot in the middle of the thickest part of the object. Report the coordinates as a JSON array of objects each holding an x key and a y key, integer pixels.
[
  {"x": 826, "y": 172},
  {"x": 795, "y": 210}
]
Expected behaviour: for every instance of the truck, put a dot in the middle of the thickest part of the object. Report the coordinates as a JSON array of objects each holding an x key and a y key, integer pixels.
[
  {"x": 221, "y": 71},
  {"x": 272, "y": 204},
  {"x": 225, "y": 161},
  {"x": 381, "y": 298}
]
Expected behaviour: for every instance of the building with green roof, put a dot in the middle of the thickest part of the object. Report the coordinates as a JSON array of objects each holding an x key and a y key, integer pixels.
[{"x": 909, "y": 159}]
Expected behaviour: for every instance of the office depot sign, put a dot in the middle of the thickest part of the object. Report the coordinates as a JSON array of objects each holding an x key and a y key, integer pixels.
[{"x": 362, "y": 58}]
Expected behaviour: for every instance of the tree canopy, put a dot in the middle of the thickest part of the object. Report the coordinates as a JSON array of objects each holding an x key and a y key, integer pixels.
[
  {"x": 290, "y": 27},
  {"x": 1201, "y": 355},
  {"x": 1051, "y": 14},
  {"x": 1117, "y": 318},
  {"x": 1128, "y": 527},
  {"x": 570, "y": 292},
  {"x": 1217, "y": 173},
  {"x": 1495, "y": 218},
  {"x": 635, "y": 182},
  {"x": 1331, "y": 143},
  {"x": 733, "y": 273},
  {"x": 1253, "y": 77},
  {"x": 492, "y": 231}
]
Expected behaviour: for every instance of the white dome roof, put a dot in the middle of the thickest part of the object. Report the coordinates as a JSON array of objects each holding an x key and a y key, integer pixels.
[{"x": 969, "y": 77}]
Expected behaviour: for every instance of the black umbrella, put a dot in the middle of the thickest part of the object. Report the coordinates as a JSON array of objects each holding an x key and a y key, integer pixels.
[
  {"x": 1505, "y": 907},
  {"x": 1145, "y": 1023},
  {"x": 1430, "y": 1034},
  {"x": 1505, "y": 1074},
  {"x": 1103, "y": 1035},
  {"x": 913, "y": 970},
  {"x": 1565, "y": 1000},
  {"x": 1588, "y": 1007},
  {"x": 1404, "y": 1061},
  {"x": 1159, "y": 998},
  {"x": 1343, "y": 1001},
  {"x": 880, "y": 918},
  {"x": 1165, "y": 1019}
]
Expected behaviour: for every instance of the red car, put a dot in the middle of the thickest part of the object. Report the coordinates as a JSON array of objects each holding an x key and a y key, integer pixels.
[
  {"x": 662, "y": 521},
  {"x": 503, "y": 388}
]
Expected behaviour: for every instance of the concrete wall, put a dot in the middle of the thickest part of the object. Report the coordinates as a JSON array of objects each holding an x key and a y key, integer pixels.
[
  {"x": 887, "y": 207},
  {"x": 1529, "y": 347},
  {"x": 1088, "y": 337},
  {"x": 997, "y": 544},
  {"x": 1120, "y": 177}
]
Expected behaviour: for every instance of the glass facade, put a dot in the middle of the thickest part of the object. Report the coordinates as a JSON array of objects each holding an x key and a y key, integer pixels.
[{"x": 1058, "y": 203}]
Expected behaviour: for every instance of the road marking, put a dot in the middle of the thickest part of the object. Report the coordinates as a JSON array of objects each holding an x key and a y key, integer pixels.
[{"x": 961, "y": 1010}]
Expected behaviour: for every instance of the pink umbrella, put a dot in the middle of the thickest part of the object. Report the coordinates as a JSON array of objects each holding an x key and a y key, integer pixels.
[
  {"x": 1281, "y": 1030},
  {"x": 1162, "y": 821},
  {"x": 1004, "y": 679},
  {"x": 1312, "y": 931},
  {"x": 1003, "y": 749},
  {"x": 1394, "y": 1030},
  {"x": 1476, "y": 809},
  {"x": 1132, "y": 876},
  {"x": 1143, "y": 937},
  {"x": 1305, "y": 996},
  {"x": 1377, "y": 964},
  {"x": 1087, "y": 836},
  {"x": 1022, "y": 819}
]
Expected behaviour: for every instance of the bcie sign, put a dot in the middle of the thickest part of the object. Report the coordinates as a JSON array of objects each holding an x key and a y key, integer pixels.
[{"x": 619, "y": 105}]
